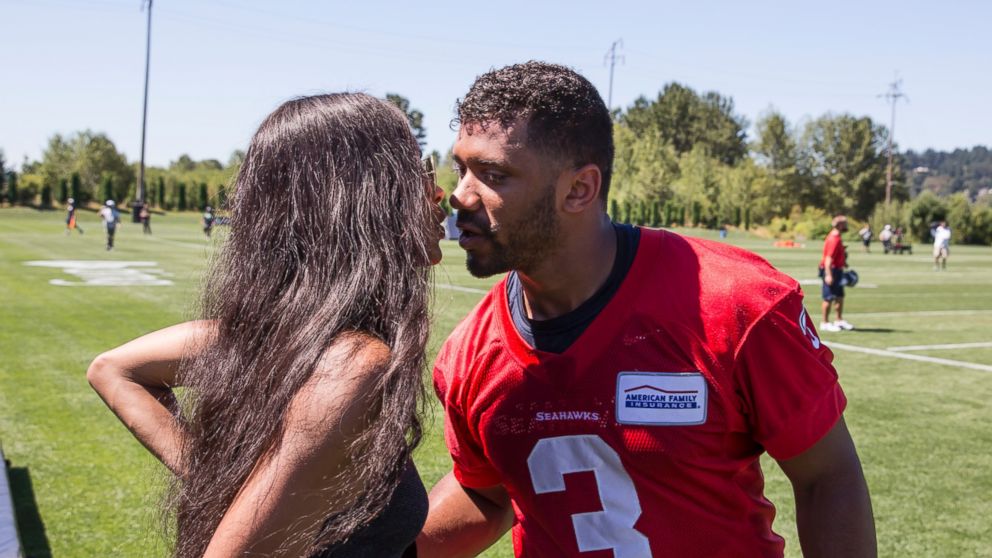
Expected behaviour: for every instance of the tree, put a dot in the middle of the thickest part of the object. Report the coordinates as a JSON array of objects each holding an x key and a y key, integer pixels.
[
  {"x": 181, "y": 197},
  {"x": 12, "y": 194},
  {"x": 682, "y": 118},
  {"x": 160, "y": 187},
  {"x": 644, "y": 167},
  {"x": 92, "y": 156},
  {"x": 203, "y": 199},
  {"x": 108, "y": 188},
  {"x": 236, "y": 159},
  {"x": 63, "y": 191},
  {"x": 777, "y": 150},
  {"x": 847, "y": 162},
  {"x": 46, "y": 196},
  {"x": 413, "y": 116},
  {"x": 183, "y": 163},
  {"x": 75, "y": 187},
  {"x": 3, "y": 175}
]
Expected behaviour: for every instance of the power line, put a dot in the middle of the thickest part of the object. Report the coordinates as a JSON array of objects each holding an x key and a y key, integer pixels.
[
  {"x": 611, "y": 59},
  {"x": 892, "y": 97}
]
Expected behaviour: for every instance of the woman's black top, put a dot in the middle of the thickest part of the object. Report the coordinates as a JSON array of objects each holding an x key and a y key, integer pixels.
[{"x": 394, "y": 530}]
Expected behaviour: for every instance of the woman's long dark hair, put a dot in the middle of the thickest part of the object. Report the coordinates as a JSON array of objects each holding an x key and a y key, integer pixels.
[{"x": 329, "y": 232}]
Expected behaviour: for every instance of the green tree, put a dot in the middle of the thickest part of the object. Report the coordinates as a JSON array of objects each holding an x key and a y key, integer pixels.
[
  {"x": 236, "y": 159},
  {"x": 13, "y": 196},
  {"x": 924, "y": 210},
  {"x": 3, "y": 175},
  {"x": 160, "y": 187},
  {"x": 413, "y": 116},
  {"x": 63, "y": 191},
  {"x": 847, "y": 163},
  {"x": 75, "y": 188},
  {"x": 777, "y": 150},
  {"x": 46, "y": 196},
  {"x": 203, "y": 199},
  {"x": 91, "y": 155},
  {"x": 108, "y": 188},
  {"x": 684, "y": 119},
  {"x": 183, "y": 163},
  {"x": 222, "y": 196},
  {"x": 644, "y": 167},
  {"x": 181, "y": 197}
]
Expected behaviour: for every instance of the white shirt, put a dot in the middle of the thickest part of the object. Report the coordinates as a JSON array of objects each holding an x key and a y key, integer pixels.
[{"x": 942, "y": 237}]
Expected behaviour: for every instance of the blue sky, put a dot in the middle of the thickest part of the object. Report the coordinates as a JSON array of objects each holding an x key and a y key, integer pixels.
[{"x": 219, "y": 66}]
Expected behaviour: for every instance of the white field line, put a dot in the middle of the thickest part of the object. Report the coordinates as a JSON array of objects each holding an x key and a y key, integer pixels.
[
  {"x": 944, "y": 346},
  {"x": 906, "y": 356},
  {"x": 460, "y": 289},
  {"x": 919, "y": 313}
]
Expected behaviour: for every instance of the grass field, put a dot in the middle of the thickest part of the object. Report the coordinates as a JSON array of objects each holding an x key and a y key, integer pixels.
[{"x": 84, "y": 487}]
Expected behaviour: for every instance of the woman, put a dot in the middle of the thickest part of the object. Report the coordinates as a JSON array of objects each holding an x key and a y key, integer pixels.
[{"x": 294, "y": 432}]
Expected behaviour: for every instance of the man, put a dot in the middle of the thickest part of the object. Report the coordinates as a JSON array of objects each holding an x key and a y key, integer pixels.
[
  {"x": 885, "y": 237},
  {"x": 616, "y": 390},
  {"x": 145, "y": 215},
  {"x": 208, "y": 220},
  {"x": 866, "y": 234},
  {"x": 111, "y": 217},
  {"x": 832, "y": 270},
  {"x": 70, "y": 217},
  {"x": 941, "y": 246}
]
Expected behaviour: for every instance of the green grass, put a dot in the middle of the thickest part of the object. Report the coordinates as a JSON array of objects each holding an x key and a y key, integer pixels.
[{"x": 84, "y": 487}]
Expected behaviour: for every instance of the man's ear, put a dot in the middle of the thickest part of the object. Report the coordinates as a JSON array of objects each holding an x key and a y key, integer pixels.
[{"x": 584, "y": 185}]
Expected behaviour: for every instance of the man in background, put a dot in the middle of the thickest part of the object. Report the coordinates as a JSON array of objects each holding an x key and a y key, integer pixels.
[
  {"x": 941, "y": 246},
  {"x": 70, "y": 217},
  {"x": 832, "y": 269},
  {"x": 111, "y": 217}
]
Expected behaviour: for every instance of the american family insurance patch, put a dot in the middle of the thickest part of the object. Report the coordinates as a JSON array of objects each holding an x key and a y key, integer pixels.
[{"x": 661, "y": 398}]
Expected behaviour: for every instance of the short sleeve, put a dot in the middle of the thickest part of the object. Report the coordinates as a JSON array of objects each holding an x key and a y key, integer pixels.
[
  {"x": 471, "y": 466},
  {"x": 788, "y": 381}
]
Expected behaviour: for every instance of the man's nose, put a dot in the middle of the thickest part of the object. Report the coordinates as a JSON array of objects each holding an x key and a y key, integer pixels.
[{"x": 465, "y": 197}]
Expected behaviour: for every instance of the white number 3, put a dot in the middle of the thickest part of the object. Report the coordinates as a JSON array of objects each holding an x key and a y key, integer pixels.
[{"x": 613, "y": 528}]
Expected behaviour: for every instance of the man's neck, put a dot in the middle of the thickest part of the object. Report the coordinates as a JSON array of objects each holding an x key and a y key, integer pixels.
[{"x": 572, "y": 275}]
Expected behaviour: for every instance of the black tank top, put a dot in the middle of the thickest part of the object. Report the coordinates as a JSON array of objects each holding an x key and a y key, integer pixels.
[{"x": 392, "y": 532}]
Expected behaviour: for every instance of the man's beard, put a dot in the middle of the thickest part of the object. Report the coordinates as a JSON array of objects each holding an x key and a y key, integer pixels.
[{"x": 530, "y": 239}]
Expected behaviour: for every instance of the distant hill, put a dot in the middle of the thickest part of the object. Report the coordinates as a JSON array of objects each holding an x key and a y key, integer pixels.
[{"x": 945, "y": 173}]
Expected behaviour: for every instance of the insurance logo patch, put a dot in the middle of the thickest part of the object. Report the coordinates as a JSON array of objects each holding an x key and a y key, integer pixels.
[{"x": 661, "y": 398}]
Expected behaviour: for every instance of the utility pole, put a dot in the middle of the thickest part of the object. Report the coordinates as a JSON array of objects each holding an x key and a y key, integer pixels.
[
  {"x": 136, "y": 206},
  {"x": 611, "y": 59},
  {"x": 892, "y": 97}
]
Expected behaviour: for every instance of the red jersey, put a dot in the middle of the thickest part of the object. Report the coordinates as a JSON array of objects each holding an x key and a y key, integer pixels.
[
  {"x": 833, "y": 246},
  {"x": 643, "y": 438}
]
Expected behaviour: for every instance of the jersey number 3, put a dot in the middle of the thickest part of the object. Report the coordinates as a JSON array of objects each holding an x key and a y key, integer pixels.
[{"x": 613, "y": 528}]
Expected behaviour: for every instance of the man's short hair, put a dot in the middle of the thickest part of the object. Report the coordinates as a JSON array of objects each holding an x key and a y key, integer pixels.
[
  {"x": 566, "y": 116},
  {"x": 838, "y": 219}
]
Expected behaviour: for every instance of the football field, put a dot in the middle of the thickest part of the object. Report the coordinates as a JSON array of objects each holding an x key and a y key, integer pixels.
[{"x": 917, "y": 372}]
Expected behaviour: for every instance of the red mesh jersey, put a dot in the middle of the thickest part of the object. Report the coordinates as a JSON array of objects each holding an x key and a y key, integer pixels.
[{"x": 643, "y": 438}]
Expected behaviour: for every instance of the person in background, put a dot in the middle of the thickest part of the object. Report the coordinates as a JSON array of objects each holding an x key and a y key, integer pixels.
[
  {"x": 70, "y": 217},
  {"x": 941, "y": 246},
  {"x": 832, "y": 269},
  {"x": 146, "y": 219},
  {"x": 866, "y": 235},
  {"x": 885, "y": 237},
  {"x": 111, "y": 218},
  {"x": 208, "y": 220}
]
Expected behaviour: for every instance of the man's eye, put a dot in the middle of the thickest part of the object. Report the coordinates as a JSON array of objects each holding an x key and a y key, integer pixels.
[{"x": 494, "y": 177}]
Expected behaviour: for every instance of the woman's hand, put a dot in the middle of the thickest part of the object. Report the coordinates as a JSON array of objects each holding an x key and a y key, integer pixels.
[{"x": 136, "y": 379}]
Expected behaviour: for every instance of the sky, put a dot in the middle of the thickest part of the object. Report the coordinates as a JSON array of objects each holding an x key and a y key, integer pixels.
[{"x": 219, "y": 66}]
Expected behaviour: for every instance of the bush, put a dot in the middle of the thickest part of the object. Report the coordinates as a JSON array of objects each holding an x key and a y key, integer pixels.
[{"x": 46, "y": 196}]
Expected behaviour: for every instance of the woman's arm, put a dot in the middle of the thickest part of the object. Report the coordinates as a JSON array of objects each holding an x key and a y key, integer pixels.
[
  {"x": 135, "y": 380},
  {"x": 295, "y": 487}
]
